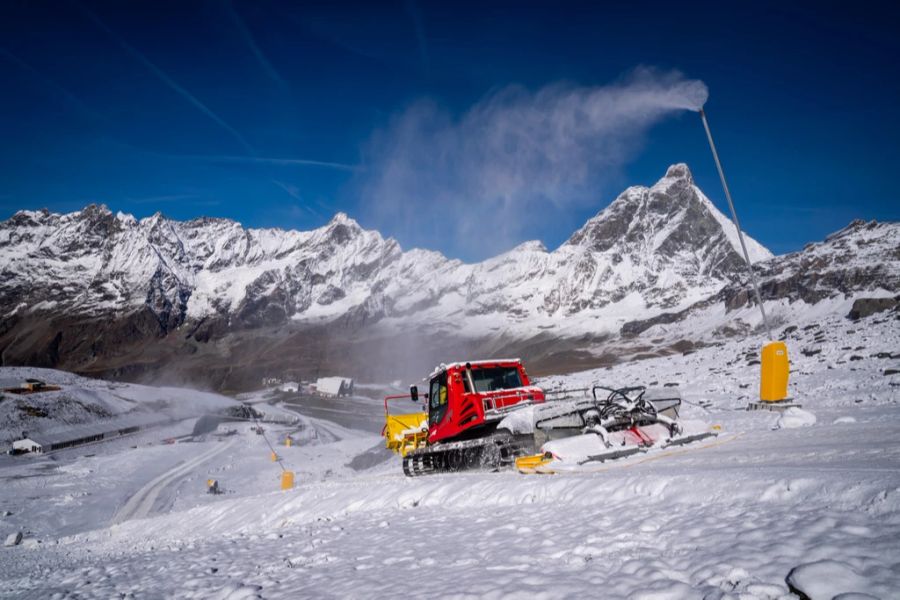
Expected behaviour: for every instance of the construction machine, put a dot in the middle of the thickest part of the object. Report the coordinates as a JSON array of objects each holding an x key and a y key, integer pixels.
[{"x": 488, "y": 415}]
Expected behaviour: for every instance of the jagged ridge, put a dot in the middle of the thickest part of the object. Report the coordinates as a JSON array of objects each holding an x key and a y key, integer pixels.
[{"x": 92, "y": 288}]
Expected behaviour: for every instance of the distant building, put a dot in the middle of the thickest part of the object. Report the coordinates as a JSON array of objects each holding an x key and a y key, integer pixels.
[
  {"x": 26, "y": 445},
  {"x": 334, "y": 386},
  {"x": 29, "y": 386},
  {"x": 290, "y": 386},
  {"x": 78, "y": 435},
  {"x": 33, "y": 385}
]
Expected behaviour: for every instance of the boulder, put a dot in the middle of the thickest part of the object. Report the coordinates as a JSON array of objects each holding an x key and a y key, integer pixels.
[
  {"x": 13, "y": 539},
  {"x": 863, "y": 307}
]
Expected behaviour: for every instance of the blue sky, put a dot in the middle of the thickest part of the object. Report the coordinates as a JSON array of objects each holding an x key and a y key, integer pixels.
[{"x": 279, "y": 114}]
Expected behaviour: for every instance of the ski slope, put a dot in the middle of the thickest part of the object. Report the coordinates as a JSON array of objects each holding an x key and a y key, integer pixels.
[
  {"x": 141, "y": 504},
  {"x": 770, "y": 501}
]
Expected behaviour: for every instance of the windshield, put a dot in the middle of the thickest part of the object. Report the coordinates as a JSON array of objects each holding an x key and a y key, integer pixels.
[{"x": 494, "y": 378}]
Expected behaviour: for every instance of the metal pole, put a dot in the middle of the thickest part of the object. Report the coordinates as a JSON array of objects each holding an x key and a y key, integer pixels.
[{"x": 737, "y": 223}]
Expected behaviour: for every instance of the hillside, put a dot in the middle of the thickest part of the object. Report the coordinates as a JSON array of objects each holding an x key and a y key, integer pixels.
[{"x": 765, "y": 505}]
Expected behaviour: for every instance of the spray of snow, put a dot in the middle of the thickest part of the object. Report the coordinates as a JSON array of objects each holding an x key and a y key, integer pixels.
[{"x": 513, "y": 160}]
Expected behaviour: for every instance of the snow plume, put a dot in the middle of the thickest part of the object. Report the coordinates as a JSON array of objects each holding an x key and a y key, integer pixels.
[{"x": 515, "y": 159}]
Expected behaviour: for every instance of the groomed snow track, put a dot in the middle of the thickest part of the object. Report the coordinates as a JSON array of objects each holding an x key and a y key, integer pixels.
[{"x": 141, "y": 504}]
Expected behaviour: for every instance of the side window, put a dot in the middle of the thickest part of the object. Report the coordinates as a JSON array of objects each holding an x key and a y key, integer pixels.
[
  {"x": 437, "y": 399},
  {"x": 434, "y": 394}
]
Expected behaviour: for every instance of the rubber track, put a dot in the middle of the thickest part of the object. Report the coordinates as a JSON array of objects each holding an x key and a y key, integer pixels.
[{"x": 489, "y": 453}]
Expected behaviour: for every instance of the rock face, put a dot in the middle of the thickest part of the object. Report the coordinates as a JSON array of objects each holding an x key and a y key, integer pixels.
[
  {"x": 858, "y": 265},
  {"x": 105, "y": 293},
  {"x": 864, "y": 307}
]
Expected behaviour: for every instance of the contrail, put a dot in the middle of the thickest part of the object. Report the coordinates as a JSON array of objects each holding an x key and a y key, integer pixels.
[
  {"x": 268, "y": 160},
  {"x": 249, "y": 39},
  {"x": 173, "y": 85},
  {"x": 294, "y": 192}
]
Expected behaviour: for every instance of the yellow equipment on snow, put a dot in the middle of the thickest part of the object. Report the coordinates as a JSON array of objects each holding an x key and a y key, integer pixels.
[
  {"x": 403, "y": 433},
  {"x": 287, "y": 480},
  {"x": 774, "y": 369},
  {"x": 532, "y": 464}
]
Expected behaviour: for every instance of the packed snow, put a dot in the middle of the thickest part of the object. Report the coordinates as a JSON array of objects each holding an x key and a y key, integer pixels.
[{"x": 760, "y": 512}]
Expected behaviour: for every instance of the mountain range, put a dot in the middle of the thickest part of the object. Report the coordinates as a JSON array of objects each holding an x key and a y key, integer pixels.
[{"x": 210, "y": 302}]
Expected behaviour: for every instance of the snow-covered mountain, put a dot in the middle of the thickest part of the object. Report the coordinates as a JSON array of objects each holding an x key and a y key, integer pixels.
[
  {"x": 656, "y": 247},
  {"x": 93, "y": 290}
]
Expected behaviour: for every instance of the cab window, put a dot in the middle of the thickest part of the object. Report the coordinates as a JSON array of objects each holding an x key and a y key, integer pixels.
[
  {"x": 491, "y": 379},
  {"x": 437, "y": 398}
]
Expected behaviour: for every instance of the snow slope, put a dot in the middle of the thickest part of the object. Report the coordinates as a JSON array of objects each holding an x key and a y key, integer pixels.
[
  {"x": 84, "y": 401},
  {"x": 733, "y": 518}
]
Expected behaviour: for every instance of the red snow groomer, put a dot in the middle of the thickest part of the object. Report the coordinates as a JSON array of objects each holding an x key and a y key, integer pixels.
[{"x": 486, "y": 414}]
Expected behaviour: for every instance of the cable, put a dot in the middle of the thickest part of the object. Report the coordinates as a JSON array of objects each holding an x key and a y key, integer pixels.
[{"x": 265, "y": 437}]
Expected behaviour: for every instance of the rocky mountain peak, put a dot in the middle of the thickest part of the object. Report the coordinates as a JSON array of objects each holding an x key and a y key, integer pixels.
[
  {"x": 341, "y": 228},
  {"x": 654, "y": 250},
  {"x": 679, "y": 171},
  {"x": 95, "y": 212},
  {"x": 342, "y": 218},
  {"x": 671, "y": 216}
]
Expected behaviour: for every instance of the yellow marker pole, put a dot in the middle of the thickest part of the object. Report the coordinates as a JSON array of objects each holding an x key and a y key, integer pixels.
[{"x": 287, "y": 480}]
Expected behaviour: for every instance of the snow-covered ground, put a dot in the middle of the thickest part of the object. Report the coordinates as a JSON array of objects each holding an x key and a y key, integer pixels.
[
  {"x": 734, "y": 517},
  {"x": 81, "y": 401}
]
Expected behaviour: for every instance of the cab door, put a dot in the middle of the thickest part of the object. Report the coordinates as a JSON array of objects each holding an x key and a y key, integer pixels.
[{"x": 437, "y": 399}]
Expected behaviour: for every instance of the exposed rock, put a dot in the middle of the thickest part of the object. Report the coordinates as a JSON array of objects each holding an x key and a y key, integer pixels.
[{"x": 864, "y": 307}]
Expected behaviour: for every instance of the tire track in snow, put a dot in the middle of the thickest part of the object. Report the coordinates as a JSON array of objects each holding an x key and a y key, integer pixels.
[{"x": 141, "y": 503}]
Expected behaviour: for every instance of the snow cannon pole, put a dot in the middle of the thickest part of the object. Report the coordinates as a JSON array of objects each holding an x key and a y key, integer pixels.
[
  {"x": 737, "y": 223},
  {"x": 774, "y": 365}
]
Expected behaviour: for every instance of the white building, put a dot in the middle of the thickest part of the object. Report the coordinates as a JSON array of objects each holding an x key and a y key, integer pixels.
[
  {"x": 334, "y": 386},
  {"x": 27, "y": 445},
  {"x": 289, "y": 386},
  {"x": 71, "y": 436}
]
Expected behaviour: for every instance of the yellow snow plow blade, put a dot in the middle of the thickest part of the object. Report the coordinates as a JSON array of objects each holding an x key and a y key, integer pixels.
[
  {"x": 532, "y": 464},
  {"x": 403, "y": 433}
]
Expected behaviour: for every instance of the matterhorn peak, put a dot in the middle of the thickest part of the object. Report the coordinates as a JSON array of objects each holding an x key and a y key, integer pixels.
[{"x": 679, "y": 171}]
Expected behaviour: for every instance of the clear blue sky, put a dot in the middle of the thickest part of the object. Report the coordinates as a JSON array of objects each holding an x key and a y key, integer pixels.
[{"x": 184, "y": 107}]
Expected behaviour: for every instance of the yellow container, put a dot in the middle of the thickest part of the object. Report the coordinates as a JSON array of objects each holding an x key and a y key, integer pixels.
[
  {"x": 288, "y": 442},
  {"x": 274, "y": 457},
  {"x": 287, "y": 480},
  {"x": 775, "y": 368}
]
